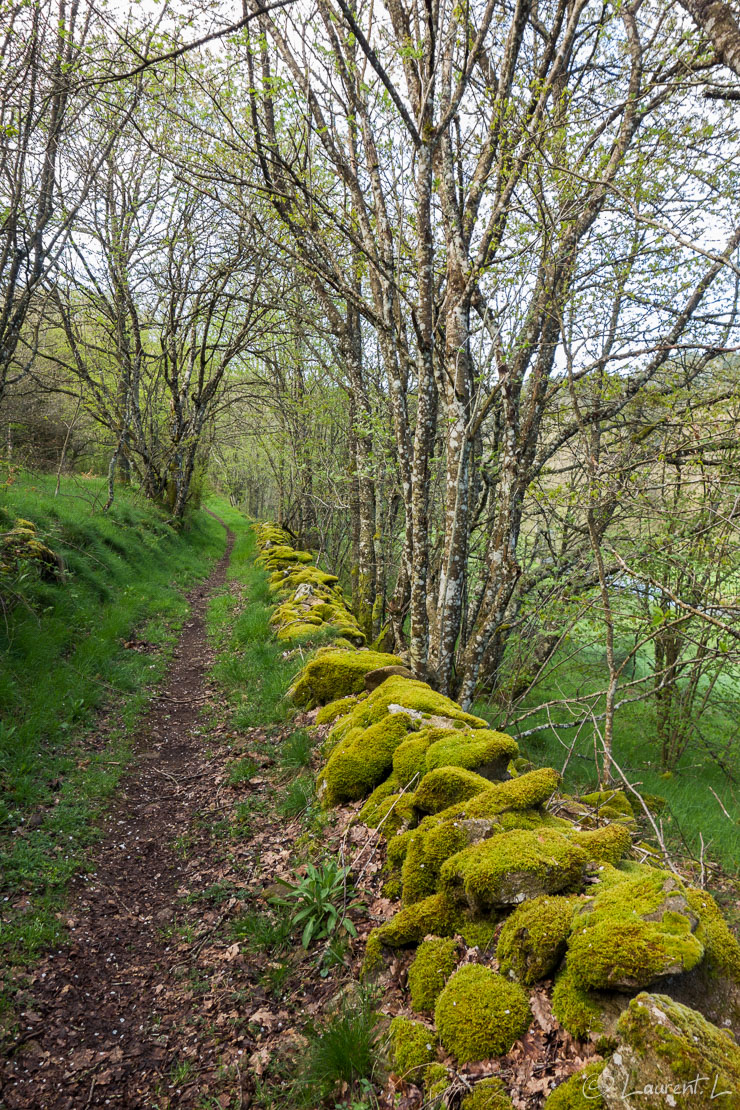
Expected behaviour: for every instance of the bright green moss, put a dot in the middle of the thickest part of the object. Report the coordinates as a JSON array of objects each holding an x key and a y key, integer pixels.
[
  {"x": 632, "y": 933},
  {"x": 335, "y": 674},
  {"x": 433, "y": 964},
  {"x": 577, "y": 1010},
  {"x": 408, "y": 758},
  {"x": 532, "y": 941},
  {"x": 436, "y": 1082},
  {"x": 615, "y": 800},
  {"x": 355, "y": 769},
  {"x": 397, "y": 848},
  {"x": 606, "y": 845},
  {"x": 279, "y": 556},
  {"x": 721, "y": 949},
  {"x": 435, "y": 916},
  {"x": 488, "y": 1094},
  {"x": 668, "y": 1046},
  {"x": 431, "y": 845},
  {"x": 369, "y": 814},
  {"x": 526, "y": 792},
  {"x": 392, "y": 814},
  {"x": 480, "y": 1014},
  {"x": 446, "y": 786},
  {"x": 328, "y": 714},
  {"x": 580, "y": 1092},
  {"x": 514, "y": 866},
  {"x": 306, "y": 576},
  {"x": 484, "y": 751},
  {"x": 424, "y": 702},
  {"x": 413, "y": 1047}
]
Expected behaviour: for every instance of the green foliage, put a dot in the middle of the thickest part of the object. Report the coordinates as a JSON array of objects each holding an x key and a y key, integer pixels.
[
  {"x": 298, "y": 797},
  {"x": 319, "y": 902},
  {"x": 342, "y": 1053},
  {"x": 295, "y": 750}
]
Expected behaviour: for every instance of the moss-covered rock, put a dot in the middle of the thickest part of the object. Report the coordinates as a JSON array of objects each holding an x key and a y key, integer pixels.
[
  {"x": 608, "y": 844},
  {"x": 390, "y": 814},
  {"x": 532, "y": 941},
  {"x": 484, "y": 751},
  {"x": 445, "y": 786},
  {"x": 397, "y": 694},
  {"x": 425, "y": 853},
  {"x": 526, "y": 792},
  {"x": 436, "y": 1082},
  {"x": 488, "y": 1094},
  {"x": 480, "y": 1014},
  {"x": 434, "y": 916},
  {"x": 330, "y": 713},
  {"x": 633, "y": 933},
  {"x": 672, "y": 1053},
  {"x": 580, "y": 1092},
  {"x": 409, "y": 760},
  {"x": 413, "y": 1047},
  {"x": 277, "y": 556},
  {"x": 433, "y": 964},
  {"x": 335, "y": 674},
  {"x": 289, "y": 579},
  {"x": 512, "y": 867},
  {"x": 359, "y": 763},
  {"x": 610, "y": 804},
  {"x": 713, "y": 986},
  {"x": 579, "y": 1011}
]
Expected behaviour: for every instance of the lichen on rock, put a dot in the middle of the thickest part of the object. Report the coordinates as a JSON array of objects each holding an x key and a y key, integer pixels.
[{"x": 480, "y": 1014}]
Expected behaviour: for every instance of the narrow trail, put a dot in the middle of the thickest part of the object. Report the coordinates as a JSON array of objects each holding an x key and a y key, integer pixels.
[{"x": 137, "y": 1008}]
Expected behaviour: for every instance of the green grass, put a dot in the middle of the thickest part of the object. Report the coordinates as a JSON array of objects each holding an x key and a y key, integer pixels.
[
  {"x": 692, "y": 807},
  {"x": 253, "y": 667},
  {"x": 62, "y": 660},
  {"x": 341, "y": 1056}
]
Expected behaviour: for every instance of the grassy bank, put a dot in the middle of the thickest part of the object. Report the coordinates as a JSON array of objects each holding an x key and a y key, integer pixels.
[{"x": 69, "y": 648}]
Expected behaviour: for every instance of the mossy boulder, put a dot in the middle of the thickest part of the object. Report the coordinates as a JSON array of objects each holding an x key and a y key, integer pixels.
[
  {"x": 397, "y": 695},
  {"x": 488, "y": 1094},
  {"x": 335, "y": 674},
  {"x": 608, "y": 844},
  {"x": 579, "y": 1011},
  {"x": 413, "y": 1047},
  {"x": 391, "y": 814},
  {"x": 288, "y": 579},
  {"x": 512, "y": 867},
  {"x": 436, "y": 1082},
  {"x": 377, "y": 677},
  {"x": 433, "y": 964},
  {"x": 361, "y": 761},
  {"x": 671, "y": 1053},
  {"x": 612, "y": 805},
  {"x": 633, "y": 933},
  {"x": 434, "y": 916},
  {"x": 445, "y": 786},
  {"x": 713, "y": 986},
  {"x": 484, "y": 751},
  {"x": 580, "y": 1092},
  {"x": 408, "y": 759},
  {"x": 330, "y": 713},
  {"x": 526, "y": 792},
  {"x": 277, "y": 556},
  {"x": 480, "y": 1014},
  {"x": 532, "y": 941}
]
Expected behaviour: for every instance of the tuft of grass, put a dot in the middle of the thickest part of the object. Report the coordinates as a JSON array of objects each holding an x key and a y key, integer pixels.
[
  {"x": 295, "y": 752},
  {"x": 263, "y": 932},
  {"x": 343, "y": 1055},
  {"x": 241, "y": 770},
  {"x": 299, "y": 796}
]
